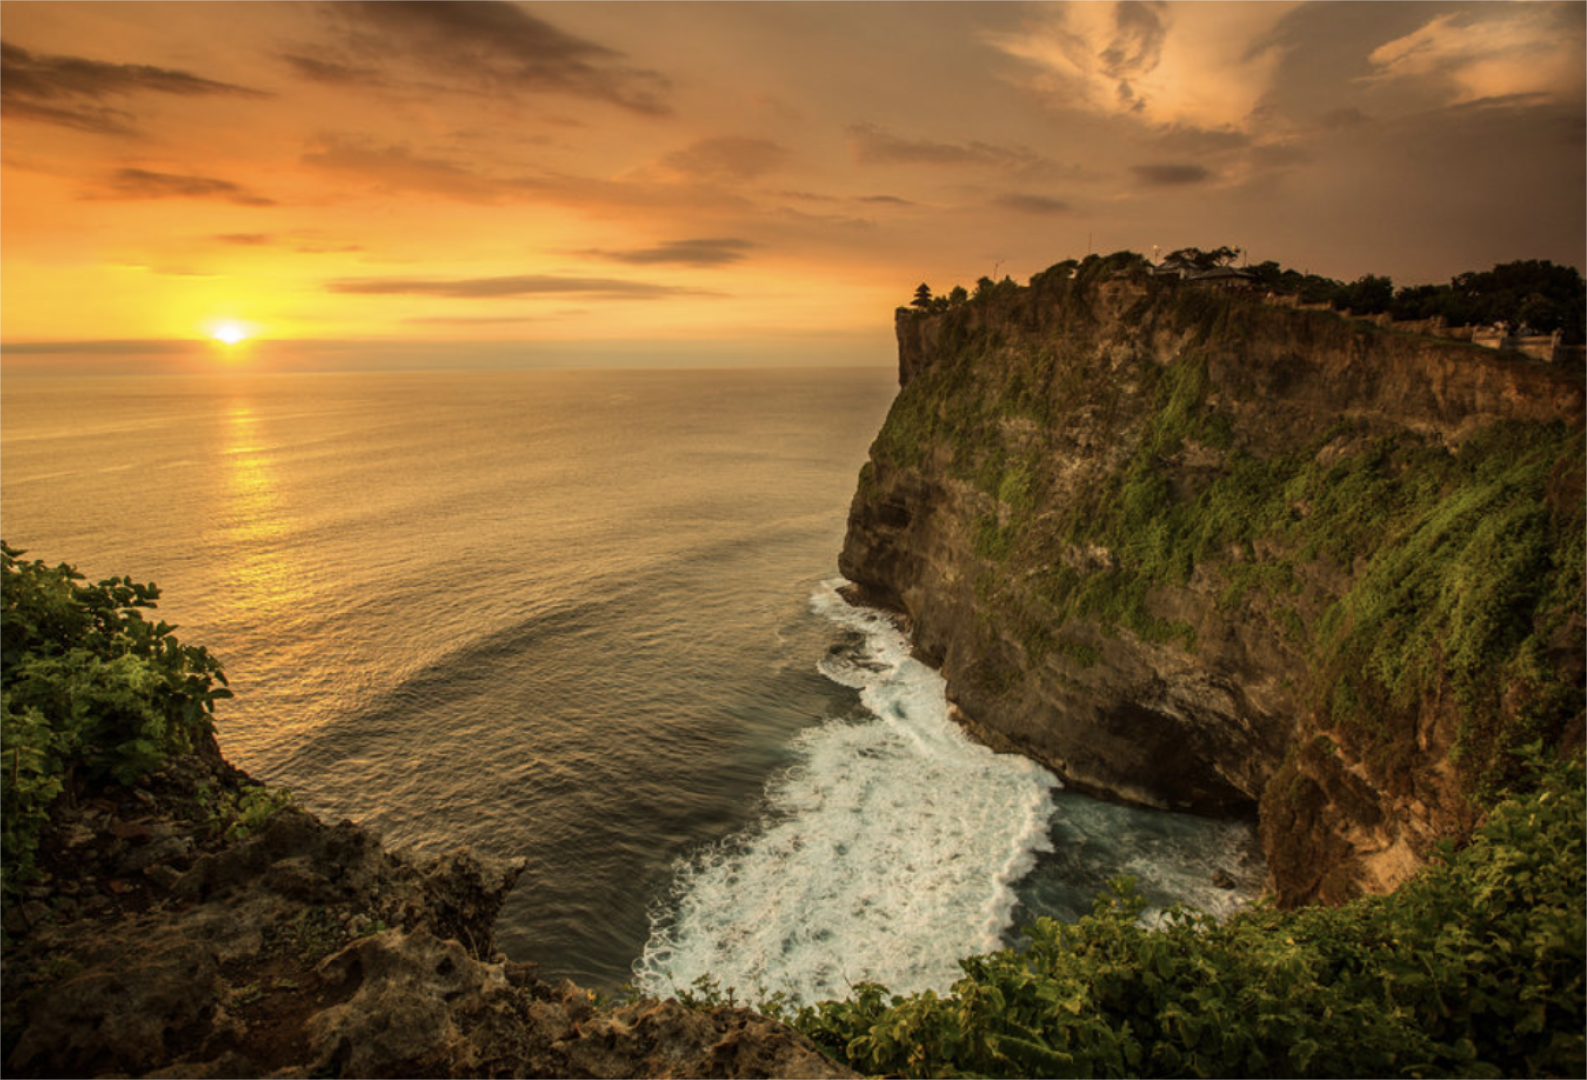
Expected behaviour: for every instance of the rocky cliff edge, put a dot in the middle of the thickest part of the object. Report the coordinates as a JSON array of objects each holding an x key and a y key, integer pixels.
[
  {"x": 154, "y": 944},
  {"x": 1198, "y": 552}
]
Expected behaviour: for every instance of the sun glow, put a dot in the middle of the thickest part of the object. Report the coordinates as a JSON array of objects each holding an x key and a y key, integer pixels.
[{"x": 230, "y": 333}]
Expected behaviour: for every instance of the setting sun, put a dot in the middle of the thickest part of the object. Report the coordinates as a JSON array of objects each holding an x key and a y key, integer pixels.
[{"x": 230, "y": 333}]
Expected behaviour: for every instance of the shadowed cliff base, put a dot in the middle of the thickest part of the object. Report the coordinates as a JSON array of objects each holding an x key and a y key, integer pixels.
[{"x": 1201, "y": 552}]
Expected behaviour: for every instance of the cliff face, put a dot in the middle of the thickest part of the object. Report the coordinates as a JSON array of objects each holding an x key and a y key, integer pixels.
[{"x": 1198, "y": 552}]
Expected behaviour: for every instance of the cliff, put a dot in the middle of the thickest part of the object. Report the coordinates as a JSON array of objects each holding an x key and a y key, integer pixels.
[
  {"x": 189, "y": 925},
  {"x": 1194, "y": 551}
]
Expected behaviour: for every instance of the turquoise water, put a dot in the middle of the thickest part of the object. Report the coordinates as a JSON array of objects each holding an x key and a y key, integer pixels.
[{"x": 587, "y": 618}]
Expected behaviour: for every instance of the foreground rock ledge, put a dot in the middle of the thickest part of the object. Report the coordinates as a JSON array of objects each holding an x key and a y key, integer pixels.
[{"x": 152, "y": 946}]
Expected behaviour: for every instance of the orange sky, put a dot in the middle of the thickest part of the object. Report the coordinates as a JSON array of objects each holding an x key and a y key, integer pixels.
[{"x": 493, "y": 183}]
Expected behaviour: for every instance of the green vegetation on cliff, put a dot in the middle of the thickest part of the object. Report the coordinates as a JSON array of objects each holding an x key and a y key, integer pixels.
[
  {"x": 1474, "y": 968},
  {"x": 91, "y": 691}
]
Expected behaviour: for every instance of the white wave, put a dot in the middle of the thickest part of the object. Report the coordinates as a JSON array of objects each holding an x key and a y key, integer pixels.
[{"x": 889, "y": 850}]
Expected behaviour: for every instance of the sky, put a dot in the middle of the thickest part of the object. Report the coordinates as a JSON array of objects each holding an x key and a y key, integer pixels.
[{"x": 484, "y": 184}]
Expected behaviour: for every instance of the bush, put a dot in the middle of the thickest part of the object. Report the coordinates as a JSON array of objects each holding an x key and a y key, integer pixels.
[
  {"x": 91, "y": 691},
  {"x": 1474, "y": 968}
]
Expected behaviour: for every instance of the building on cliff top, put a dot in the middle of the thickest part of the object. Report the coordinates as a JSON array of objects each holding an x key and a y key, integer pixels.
[{"x": 1222, "y": 277}]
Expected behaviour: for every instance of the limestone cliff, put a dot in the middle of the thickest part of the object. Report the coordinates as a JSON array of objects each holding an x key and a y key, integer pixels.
[{"x": 1196, "y": 551}]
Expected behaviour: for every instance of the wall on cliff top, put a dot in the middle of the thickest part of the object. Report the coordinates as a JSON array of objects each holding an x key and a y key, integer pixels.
[{"x": 1199, "y": 552}]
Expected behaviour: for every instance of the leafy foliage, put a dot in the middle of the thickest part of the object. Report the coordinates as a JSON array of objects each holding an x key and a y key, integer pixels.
[
  {"x": 91, "y": 691},
  {"x": 238, "y": 813},
  {"x": 1474, "y": 968}
]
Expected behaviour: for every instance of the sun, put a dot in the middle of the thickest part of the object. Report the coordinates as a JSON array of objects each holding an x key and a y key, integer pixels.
[{"x": 230, "y": 333}]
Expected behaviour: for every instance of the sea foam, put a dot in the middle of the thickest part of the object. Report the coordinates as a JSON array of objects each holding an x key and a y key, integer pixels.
[{"x": 889, "y": 850}]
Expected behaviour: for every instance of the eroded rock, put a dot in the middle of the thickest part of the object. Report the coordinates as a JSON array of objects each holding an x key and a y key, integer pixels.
[{"x": 309, "y": 950}]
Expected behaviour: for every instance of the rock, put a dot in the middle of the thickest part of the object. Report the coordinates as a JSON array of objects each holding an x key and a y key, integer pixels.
[
  {"x": 119, "y": 1015},
  {"x": 399, "y": 1016},
  {"x": 1222, "y": 880},
  {"x": 162, "y": 876},
  {"x": 251, "y": 964},
  {"x": 135, "y": 831},
  {"x": 75, "y": 835},
  {"x": 170, "y": 850}
]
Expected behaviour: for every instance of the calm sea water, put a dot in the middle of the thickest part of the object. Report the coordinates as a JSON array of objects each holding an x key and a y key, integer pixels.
[{"x": 590, "y": 619}]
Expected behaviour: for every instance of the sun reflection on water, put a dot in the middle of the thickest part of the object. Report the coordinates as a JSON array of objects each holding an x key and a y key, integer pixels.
[{"x": 253, "y": 526}]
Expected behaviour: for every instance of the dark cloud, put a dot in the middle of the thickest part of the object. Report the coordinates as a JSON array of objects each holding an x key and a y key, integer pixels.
[
  {"x": 1170, "y": 175},
  {"x": 729, "y": 159},
  {"x": 70, "y": 91},
  {"x": 703, "y": 252},
  {"x": 1135, "y": 49},
  {"x": 890, "y": 200},
  {"x": 1032, "y": 204},
  {"x": 481, "y": 45},
  {"x": 143, "y": 184},
  {"x": 329, "y": 71},
  {"x": 873, "y": 146},
  {"x": 504, "y": 287}
]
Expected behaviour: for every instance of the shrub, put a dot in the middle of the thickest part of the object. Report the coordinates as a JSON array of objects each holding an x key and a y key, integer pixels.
[
  {"x": 91, "y": 691},
  {"x": 1473, "y": 968}
]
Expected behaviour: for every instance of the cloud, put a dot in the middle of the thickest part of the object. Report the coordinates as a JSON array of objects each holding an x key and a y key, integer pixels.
[
  {"x": 512, "y": 286},
  {"x": 400, "y": 169},
  {"x": 480, "y": 45},
  {"x": 1490, "y": 52},
  {"x": 1031, "y": 204},
  {"x": 871, "y": 145},
  {"x": 702, "y": 252},
  {"x": 1171, "y": 175},
  {"x": 329, "y": 71},
  {"x": 70, "y": 91},
  {"x": 729, "y": 159},
  {"x": 143, "y": 184},
  {"x": 1201, "y": 65},
  {"x": 301, "y": 243},
  {"x": 470, "y": 320}
]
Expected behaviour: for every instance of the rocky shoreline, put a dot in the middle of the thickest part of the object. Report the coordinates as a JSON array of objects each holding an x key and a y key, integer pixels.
[{"x": 190, "y": 926}]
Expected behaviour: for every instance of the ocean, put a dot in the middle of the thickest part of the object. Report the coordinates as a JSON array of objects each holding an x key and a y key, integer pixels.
[{"x": 589, "y": 619}]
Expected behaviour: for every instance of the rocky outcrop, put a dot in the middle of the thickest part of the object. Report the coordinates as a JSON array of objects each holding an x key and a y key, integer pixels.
[
  {"x": 1173, "y": 545},
  {"x": 156, "y": 945}
]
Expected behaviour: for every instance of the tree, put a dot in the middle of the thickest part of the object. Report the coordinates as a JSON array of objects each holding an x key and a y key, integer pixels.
[
  {"x": 922, "y": 298},
  {"x": 1367, "y": 295},
  {"x": 1205, "y": 260}
]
